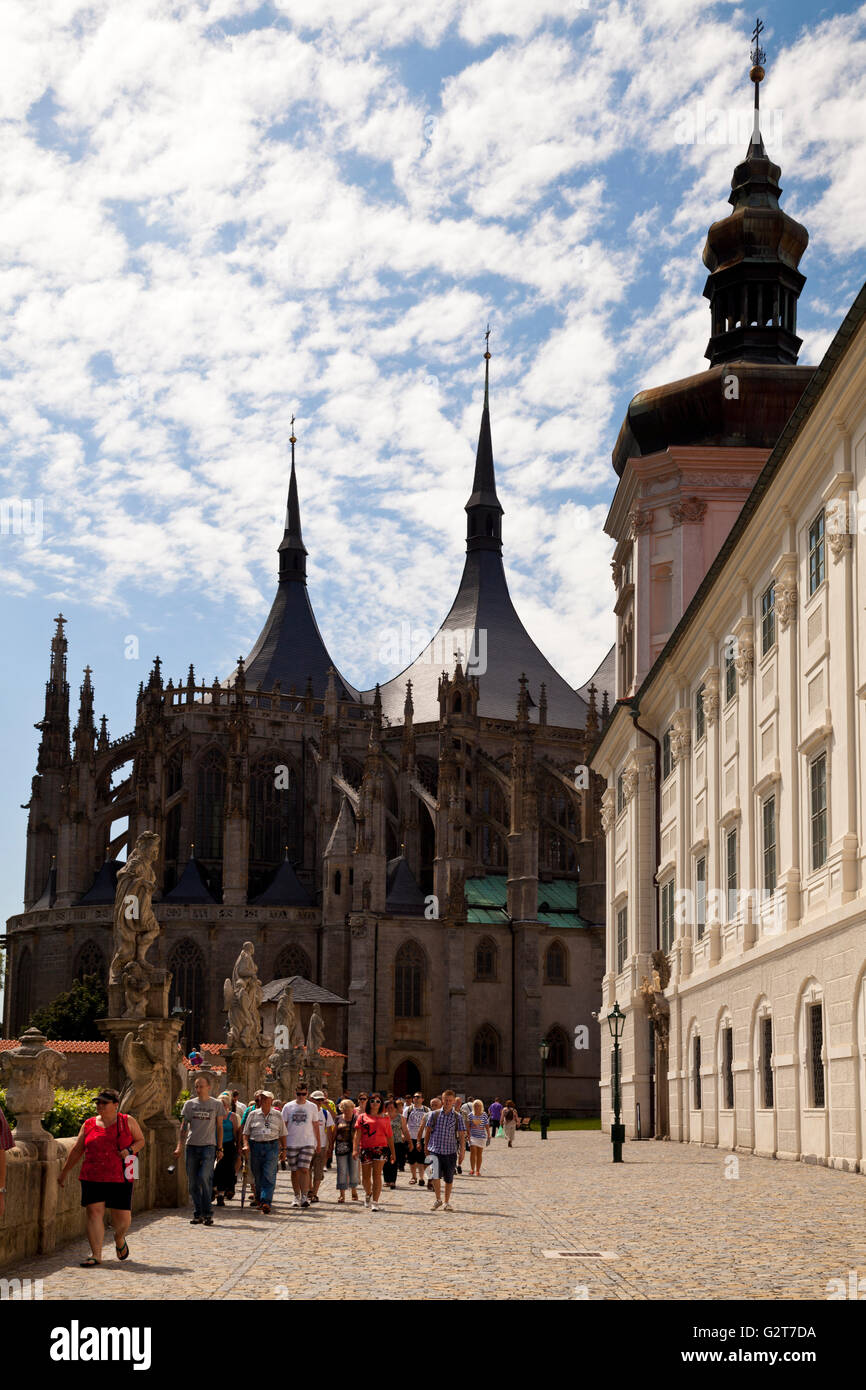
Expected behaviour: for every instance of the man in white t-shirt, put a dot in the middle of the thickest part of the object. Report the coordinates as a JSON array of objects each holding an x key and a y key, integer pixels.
[
  {"x": 303, "y": 1130},
  {"x": 327, "y": 1129},
  {"x": 415, "y": 1116}
]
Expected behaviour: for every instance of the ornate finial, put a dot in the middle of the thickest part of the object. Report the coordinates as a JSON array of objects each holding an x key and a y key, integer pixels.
[
  {"x": 60, "y": 621},
  {"x": 487, "y": 344},
  {"x": 757, "y": 74},
  {"x": 292, "y": 440}
]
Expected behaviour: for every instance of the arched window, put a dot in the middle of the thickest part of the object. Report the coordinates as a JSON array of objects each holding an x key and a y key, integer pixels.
[
  {"x": 560, "y": 1054},
  {"x": 275, "y": 820},
  {"x": 21, "y": 1000},
  {"x": 458, "y": 704},
  {"x": 338, "y": 883},
  {"x": 556, "y": 964},
  {"x": 485, "y": 959},
  {"x": 186, "y": 964},
  {"x": 210, "y": 791},
  {"x": 559, "y": 827},
  {"x": 90, "y": 961},
  {"x": 172, "y": 835},
  {"x": 485, "y": 1049},
  {"x": 173, "y": 775},
  {"x": 409, "y": 972},
  {"x": 292, "y": 960}
]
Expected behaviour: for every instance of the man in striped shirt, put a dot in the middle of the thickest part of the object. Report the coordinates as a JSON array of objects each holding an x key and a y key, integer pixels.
[{"x": 445, "y": 1142}]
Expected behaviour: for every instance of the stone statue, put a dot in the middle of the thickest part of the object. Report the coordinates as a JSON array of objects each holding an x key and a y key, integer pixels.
[
  {"x": 315, "y": 1033},
  {"x": 242, "y": 995},
  {"x": 288, "y": 1033},
  {"x": 148, "y": 1086},
  {"x": 135, "y": 926}
]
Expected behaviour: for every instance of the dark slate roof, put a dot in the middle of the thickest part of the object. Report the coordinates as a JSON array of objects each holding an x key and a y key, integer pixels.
[
  {"x": 303, "y": 992},
  {"x": 483, "y": 605},
  {"x": 603, "y": 678},
  {"x": 103, "y": 887},
  {"x": 190, "y": 887},
  {"x": 403, "y": 897},
  {"x": 284, "y": 890},
  {"x": 49, "y": 892},
  {"x": 291, "y": 648}
]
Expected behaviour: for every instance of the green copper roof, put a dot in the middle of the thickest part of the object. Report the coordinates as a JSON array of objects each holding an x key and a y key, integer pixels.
[{"x": 486, "y": 901}]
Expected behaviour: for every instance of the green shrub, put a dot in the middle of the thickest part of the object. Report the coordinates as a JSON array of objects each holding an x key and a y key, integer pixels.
[
  {"x": 179, "y": 1104},
  {"x": 72, "y": 1106}
]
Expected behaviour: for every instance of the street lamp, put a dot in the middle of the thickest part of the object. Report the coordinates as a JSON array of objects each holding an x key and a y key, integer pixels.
[
  {"x": 544, "y": 1053},
  {"x": 616, "y": 1023}
]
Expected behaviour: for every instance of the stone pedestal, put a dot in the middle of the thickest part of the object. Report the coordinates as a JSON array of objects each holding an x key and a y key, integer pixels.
[
  {"x": 31, "y": 1072},
  {"x": 245, "y": 1068}
]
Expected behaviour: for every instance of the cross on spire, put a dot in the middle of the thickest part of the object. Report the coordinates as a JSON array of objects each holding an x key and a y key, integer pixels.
[{"x": 758, "y": 54}]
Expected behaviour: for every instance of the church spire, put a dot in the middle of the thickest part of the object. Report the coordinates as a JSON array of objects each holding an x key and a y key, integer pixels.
[
  {"x": 293, "y": 555},
  {"x": 752, "y": 256},
  {"x": 54, "y": 725},
  {"x": 483, "y": 511}
]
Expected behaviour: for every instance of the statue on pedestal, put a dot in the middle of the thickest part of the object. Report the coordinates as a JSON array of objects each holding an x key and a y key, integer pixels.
[
  {"x": 135, "y": 926},
  {"x": 148, "y": 1088},
  {"x": 242, "y": 995},
  {"x": 289, "y": 1051}
]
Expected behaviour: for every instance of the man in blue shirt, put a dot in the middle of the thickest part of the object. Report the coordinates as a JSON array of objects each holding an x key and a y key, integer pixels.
[{"x": 445, "y": 1141}]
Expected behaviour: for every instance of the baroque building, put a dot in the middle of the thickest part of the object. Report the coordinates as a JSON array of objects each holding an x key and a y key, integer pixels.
[
  {"x": 424, "y": 850},
  {"x": 734, "y": 810}
]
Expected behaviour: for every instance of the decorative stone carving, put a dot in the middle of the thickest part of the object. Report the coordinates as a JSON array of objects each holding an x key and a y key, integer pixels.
[
  {"x": 639, "y": 520},
  {"x": 148, "y": 1088},
  {"x": 689, "y": 509},
  {"x": 710, "y": 701},
  {"x": 744, "y": 661},
  {"x": 681, "y": 735},
  {"x": 289, "y": 1054},
  {"x": 840, "y": 544},
  {"x": 608, "y": 810},
  {"x": 616, "y": 570},
  {"x": 135, "y": 926},
  {"x": 242, "y": 995},
  {"x": 31, "y": 1072},
  {"x": 316, "y": 1031},
  {"x": 786, "y": 602},
  {"x": 630, "y": 778}
]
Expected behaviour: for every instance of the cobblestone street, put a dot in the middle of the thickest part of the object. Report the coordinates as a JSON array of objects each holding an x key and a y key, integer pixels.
[{"x": 666, "y": 1224}]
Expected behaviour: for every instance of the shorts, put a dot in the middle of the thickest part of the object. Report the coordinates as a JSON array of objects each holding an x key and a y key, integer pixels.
[
  {"x": 416, "y": 1154},
  {"x": 444, "y": 1166},
  {"x": 374, "y": 1155},
  {"x": 299, "y": 1158},
  {"x": 317, "y": 1168},
  {"x": 117, "y": 1196}
]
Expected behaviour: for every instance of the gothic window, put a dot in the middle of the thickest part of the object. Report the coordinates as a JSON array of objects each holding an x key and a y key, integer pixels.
[
  {"x": 90, "y": 961},
  {"x": 560, "y": 1053},
  {"x": 556, "y": 964},
  {"x": 409, "y": 972},
  {"x": 559, "y": 827},
  {"x": 485, "y": 1049},
  {"x": 21, "y": 1001},
  {"x": 186, "y": 966},
  {"x": 210, "y": 806},
  {"x": 458, "y": 704},
  {"x": 338, "y": 883},
  {"x": 172, "y": 835},
  {"x": 292, "y": 960},
  {"x": 485, "y": 959},
  {"x": 353, "y": 772},
  {"x": 492, "y": 848},
  {"x": 173, "y": 775},
  {"x": 275, "y": 821}
]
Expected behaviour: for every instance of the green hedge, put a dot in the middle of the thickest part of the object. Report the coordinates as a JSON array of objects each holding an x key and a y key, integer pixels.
[
  {"x": 179, "y": 1104},
  {"x": 72, "y": 1106}
]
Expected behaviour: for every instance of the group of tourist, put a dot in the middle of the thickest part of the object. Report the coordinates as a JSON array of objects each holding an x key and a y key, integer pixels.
[{"x": 372, "y": 1138}]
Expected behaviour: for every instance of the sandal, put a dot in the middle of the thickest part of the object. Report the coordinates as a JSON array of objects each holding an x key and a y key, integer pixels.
[
  {"x": 89, "y": 1263},
  {"x": 122, "y": 1251},
  {"x": 341, "y": 1200}
]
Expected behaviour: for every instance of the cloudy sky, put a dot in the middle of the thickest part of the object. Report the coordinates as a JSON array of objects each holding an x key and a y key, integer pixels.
[{"x": 213, "y": 215}]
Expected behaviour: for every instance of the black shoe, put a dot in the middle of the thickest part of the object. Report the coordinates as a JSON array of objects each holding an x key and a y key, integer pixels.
[
  {"x": 208, "y": 1221},
  {"x": 459, "y": 1169},
  {"x": 196, "y": 1221},
  {"x": 221, "y": 1201}
]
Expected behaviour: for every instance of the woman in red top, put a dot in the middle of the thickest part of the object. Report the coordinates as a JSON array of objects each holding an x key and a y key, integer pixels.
[
  {"x": 373, "y": 1141},
  {"x": 109, "y": 1142}
]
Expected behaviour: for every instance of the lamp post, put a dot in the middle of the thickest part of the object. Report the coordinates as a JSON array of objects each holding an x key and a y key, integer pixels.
[
  {"x": 544, "y": 1053},
  {"x": 616, "y": 1023}
]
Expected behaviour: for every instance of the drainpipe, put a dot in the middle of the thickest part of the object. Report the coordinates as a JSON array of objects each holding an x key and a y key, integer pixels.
[
  {"x": 375, "y": 994},
  {"x": 635, "y": 714},
  {"x": 510, "y": 921}
]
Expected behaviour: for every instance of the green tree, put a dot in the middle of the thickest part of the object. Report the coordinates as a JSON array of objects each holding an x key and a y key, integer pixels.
[{"x": 73, "y": 1015}]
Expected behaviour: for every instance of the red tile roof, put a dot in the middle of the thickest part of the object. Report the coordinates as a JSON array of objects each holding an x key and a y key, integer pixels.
[{"x": 72, "y": 1045}]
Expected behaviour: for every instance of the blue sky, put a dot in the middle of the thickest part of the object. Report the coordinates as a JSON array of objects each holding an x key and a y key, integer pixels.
[{"x": 213, "y": 215}]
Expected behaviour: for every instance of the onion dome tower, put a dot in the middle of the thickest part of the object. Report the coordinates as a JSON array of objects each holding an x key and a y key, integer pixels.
[{"x": 752, "y": 256}]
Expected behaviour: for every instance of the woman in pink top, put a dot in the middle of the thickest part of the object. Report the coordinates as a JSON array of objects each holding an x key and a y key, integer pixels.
[{"x": 374, "y": 1140}]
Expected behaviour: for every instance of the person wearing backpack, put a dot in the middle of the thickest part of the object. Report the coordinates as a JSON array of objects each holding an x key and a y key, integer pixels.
[
  {"x": 510, "y": 1121},
  {"x": 109, "y": 1142}
]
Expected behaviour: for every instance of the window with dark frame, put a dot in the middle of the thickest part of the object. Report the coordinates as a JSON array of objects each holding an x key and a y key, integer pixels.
[
  {"x": 818, "y": 809},
  {"x": 620, "y": 794},
  {"x": 409, "y": 970},
  {"x": 697, "y": 1073},
  {"x": 621, "y": 937},
  {"x": 728, "y": 1066},
  {"x": 768, "y": 816},
  {"x": 816, "y": 553},
  {"x": 668, "y": 914},
  {"x": 485, "y": 960},
  {"x": 816, "y": 1049},
  {"x": 767, "y": 1062},
  {"x": 700, "y": 718},
  {"x": 667, "y": 755},
  {"x": 701, "y": 896},
  {"x": 730, "y": 673},
  {"x": 555, "y": 968},
  {"x": 731, "y": 873},
  {"x": 768, "y": 619}
]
